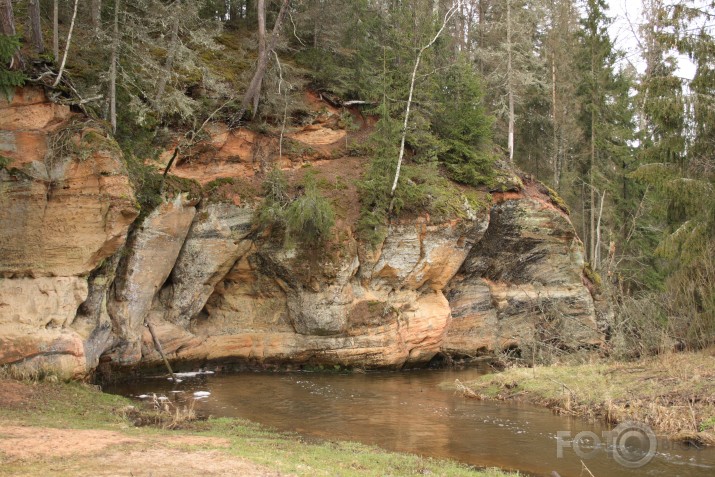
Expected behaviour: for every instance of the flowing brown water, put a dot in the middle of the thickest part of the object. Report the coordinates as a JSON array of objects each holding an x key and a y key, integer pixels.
[{"x": 408, "y": 412}]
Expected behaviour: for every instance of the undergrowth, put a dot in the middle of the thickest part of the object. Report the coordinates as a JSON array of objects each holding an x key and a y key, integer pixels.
[{"x": 305, "y": 215}]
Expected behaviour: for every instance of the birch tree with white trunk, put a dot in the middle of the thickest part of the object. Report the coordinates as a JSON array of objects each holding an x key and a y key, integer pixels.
[
  {"x": 447, "y": 17},
  {"x": 67, "y": 45}
]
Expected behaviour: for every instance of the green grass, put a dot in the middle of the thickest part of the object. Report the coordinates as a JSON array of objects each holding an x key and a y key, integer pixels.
[{"x": 67, "y": 405}]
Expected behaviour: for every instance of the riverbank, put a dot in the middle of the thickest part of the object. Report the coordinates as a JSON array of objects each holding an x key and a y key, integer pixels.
[
  {"x": 72, "y": 429},
  {"x": 673, "y": 393}
]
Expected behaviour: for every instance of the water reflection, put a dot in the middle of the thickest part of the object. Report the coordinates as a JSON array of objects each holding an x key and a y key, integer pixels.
[{"x": 408, "y": 412}]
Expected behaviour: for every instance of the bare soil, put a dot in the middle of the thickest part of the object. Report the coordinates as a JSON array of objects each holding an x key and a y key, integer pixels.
[
  {"x": 109, "y": 453},
  {"x": 13, "y": 393},
  {"x": 34, "y": 450}
]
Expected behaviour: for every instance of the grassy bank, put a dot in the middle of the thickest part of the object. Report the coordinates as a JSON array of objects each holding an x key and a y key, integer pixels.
[
  {"x": 73, "y": 429},
  {"x": 672, "y": 393}
]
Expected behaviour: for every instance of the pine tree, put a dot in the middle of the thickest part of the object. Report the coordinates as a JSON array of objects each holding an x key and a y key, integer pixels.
[
  {"x": 9, "y": 78},
  {"x": 507, "y": 56},
  {"x": 605, "y": 118},
  {"x": 562, "y": 81}
]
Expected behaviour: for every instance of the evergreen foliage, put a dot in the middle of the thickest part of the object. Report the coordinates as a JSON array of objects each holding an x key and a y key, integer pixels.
[
  {"x": 463, "y": 126},
  {"x": 310, "y": 217},
  {"x": 276, "y": 199},
  {"x": 306, "y": 220},
  {"x": 9, "y": 78}
]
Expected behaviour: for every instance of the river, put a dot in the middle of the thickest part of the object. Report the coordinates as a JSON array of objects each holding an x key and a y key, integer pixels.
[{"x": 408, "y": 411}]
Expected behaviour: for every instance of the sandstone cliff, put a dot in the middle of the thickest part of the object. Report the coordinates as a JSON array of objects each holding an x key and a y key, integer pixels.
[
  {"x": 216, "y": 289},
  {"x": 65, "y": 206}
]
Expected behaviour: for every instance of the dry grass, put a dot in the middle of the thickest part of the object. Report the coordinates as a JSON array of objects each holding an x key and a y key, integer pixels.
[
  {"x": 163, "y": 414},
  {"x": 673, "y": 393}
]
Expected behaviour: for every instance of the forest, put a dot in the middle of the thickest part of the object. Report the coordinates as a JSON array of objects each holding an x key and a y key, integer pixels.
[{"x": 459, "y": 88}]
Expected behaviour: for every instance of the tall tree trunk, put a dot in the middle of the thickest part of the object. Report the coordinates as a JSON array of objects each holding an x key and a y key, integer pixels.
[
  {"x": 592, "y": 162},
  {"x": 67, "y": 46},
  {"x": 480, "y": 26},
  {"x": 556, "y": 126},
  {"x": 509, "y": 81},
  {"x": 7, "y": 27},
  {"x": 262, "y": 54},
  {"x": 233, "y": 11},
  {"x": 96, "y": 14},
  {"x": 33, "y": 11},
  {"x": 7, "y": 18},
  {"x": 597, "y": 255},
  {"x": 592, "y": 205},
  {"x": 583, "y": 217},
  {"x": 113, "y": 70},
  {"x": 555, "y": 147},
  {"x": 253, "y": 93},
  {"x": 169, "y": 65},
  {"x": 55, "y": 31}
]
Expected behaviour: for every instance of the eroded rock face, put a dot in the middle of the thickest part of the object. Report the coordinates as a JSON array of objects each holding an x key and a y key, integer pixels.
[
  {"x": 462, "y": 288},
  {"x": 267, "y": 309},
  {"x": 76, "y": 291},
  {"x": 65, "y": 199},
  {"x": 66, "y": 205},
  {"x": 522, "y": 284},
  {"x": 213, "y": 245},
  {"x": 45, "y": 302},
  {"x": 151, "y": 255},
  {"x": 32, "y": 351}
]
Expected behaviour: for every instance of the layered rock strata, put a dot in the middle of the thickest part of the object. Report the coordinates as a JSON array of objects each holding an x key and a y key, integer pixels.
[
  {"x": 66, "y": 205},
  {"x": 76, "y": 290}
]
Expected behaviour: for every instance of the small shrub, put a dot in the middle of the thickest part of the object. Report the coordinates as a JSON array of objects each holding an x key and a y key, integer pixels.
[
  {"x": 593, "y": 276},
  {"x": 360, "y": 149},
  {"x": 470, "y": 174},
  {"x": 307, "y": 219},
  {"x": 174, "y": 185},
  {"x": 310, "y": 217},
  {"x": 276, "y": 199},
  {"x": 212, "y": 187},
  {"x": 640, "y": 328},
  {"x": 146, "y": 182},
  {"x": 163, "y": 414}
]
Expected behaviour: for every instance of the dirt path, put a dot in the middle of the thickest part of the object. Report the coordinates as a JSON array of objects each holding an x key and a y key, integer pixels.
[{"x": 110, "y": 453}]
